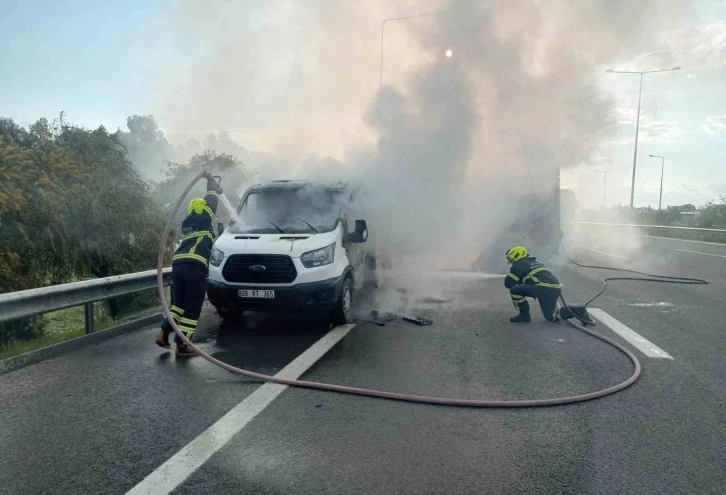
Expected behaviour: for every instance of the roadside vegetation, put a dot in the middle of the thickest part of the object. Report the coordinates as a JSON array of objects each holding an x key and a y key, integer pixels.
[
  {"x": 74, "y": 206},
  {"x": 712, "y": 215}
]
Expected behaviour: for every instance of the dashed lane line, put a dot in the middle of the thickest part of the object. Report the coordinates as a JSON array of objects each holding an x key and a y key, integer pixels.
[
  {"x": 609, "y": 254},
  {"x": 638, "y": 341},
  {"x": 698, "y": 252},
  {"x": 181, "y": 465}
]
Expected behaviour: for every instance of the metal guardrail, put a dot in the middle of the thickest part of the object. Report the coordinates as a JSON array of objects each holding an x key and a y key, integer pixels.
[
  {"x": 695, "y": 229},
  {"x": 24, "y": 303}
]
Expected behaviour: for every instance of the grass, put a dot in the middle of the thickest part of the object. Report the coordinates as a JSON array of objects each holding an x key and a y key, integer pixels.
[{"x": 70, "y": 323}]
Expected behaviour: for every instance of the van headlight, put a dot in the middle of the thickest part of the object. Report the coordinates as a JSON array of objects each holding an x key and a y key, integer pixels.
[
  {"x": 319, "y": 257},
  {"x": 216, "y": 257}
]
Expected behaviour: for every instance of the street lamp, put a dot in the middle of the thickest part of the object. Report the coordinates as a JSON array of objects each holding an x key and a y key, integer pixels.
[
  {"x": 637, "y": 122},
  {"x": 662, "y": 167},
  {"x": 383, "y": 25},
  {"x": 604, "y": 185}
]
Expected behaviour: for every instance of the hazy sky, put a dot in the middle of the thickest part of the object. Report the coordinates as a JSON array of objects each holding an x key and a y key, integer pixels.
[{"x": 103, "y": 61}]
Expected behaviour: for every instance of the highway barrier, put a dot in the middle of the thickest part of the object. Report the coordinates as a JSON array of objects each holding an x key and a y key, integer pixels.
[
  {"x": 673, "y": 232},
  {"x": 24, "y": 303}
]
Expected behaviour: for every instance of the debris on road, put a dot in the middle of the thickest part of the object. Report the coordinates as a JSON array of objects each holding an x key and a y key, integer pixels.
[
  {"x": 381, "y": 319},
  {"x": 418, "y": 321}
]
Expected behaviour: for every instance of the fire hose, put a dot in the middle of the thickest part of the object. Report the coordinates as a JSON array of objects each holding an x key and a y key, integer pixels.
[{"x": 380, "y": 393}]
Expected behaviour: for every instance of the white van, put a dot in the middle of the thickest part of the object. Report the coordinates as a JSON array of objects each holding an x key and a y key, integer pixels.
[{"x": 291, "y": 248}]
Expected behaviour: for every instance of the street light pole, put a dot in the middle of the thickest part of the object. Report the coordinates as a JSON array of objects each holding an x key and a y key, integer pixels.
[
  {"x": 637, "y": 122},
  {"x": 604, "y": 185},
  {"x": 662, "y": 168}
]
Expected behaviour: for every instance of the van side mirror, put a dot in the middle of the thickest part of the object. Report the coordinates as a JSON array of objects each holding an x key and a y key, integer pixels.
[
  {"x": 360, "y": 234},
  {"x": 220, "y": 228}
]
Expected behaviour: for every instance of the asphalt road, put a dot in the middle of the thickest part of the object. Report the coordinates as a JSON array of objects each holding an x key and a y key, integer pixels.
[{"x": 101, "y": 419}]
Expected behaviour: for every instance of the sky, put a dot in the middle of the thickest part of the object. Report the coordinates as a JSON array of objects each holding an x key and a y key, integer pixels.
[{"x": 280, "y": 83}]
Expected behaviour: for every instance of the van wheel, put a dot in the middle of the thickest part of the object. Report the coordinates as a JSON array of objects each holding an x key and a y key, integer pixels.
[{"x": 341, "y": 314}]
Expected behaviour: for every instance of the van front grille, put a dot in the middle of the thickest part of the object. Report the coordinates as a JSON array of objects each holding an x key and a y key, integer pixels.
[{"x": 259, "y": 269}]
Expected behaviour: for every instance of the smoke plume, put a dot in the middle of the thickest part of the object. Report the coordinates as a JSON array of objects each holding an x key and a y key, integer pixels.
[{"x": 451, "y": 150}]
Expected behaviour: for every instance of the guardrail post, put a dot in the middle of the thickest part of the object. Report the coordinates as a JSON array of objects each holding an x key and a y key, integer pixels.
[{"x": 88, "y": 307}]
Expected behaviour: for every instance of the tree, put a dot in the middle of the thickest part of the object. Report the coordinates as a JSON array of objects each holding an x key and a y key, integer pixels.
[
  {"x": 179, "y": 175},
  {"x": 147, "y": 147},
  {"x": 713, "y": 215},
  {"x": 71, "y": 206}
]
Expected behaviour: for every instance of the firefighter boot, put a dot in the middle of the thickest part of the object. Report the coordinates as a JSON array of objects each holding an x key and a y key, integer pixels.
[
  {"x": 162, "y": 339},
  {"x": 579, "y": 312},
  {"x": 183, "y": 350},
  {"x": 521, "y": 318}
]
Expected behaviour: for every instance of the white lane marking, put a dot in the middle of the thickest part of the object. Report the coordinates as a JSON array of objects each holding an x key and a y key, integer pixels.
[
  {"x": 684, "y": 240},
  {"x": 609, "y": 254},
  {"x": 181, "y": 465},
  {"x": 698, "y": 252},
  {"x": 639, "y": 342}
]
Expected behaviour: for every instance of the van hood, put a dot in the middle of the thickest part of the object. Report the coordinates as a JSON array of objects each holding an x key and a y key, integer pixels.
[{"x": 293, "y": 245}]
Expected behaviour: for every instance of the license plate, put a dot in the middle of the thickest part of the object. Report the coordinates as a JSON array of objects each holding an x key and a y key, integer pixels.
[{"x": 257, "y": 294}]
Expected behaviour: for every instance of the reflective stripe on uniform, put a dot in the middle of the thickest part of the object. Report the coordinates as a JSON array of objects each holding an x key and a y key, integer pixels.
[
  {"x": 189, "y": 321},
  {"x": 211, "y": 193},
  {"x": 189, "y": 256},
  {"x": 512, "y": 275},
  {"x": 533, "y": 273},
  {"x": 209, "y": 210},
  {"x": 202, "y": 234},
  {"x": 545, "y": 284},
  {"x": 177, "y": 309},
  {"x": 188, "y": 331},
  {"x": 194, "y": 247}
]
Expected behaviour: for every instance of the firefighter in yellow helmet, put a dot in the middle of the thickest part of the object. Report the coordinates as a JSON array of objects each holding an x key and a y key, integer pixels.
[
  {"x": 189, "y": 268},
  {"x": 529, "y": 278}
]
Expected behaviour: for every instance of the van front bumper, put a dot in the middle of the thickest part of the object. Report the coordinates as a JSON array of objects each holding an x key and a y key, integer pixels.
[{"x": 314, "y": 296}]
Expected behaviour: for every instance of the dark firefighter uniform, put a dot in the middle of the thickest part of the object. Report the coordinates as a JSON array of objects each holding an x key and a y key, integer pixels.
[
  {"x": 189, "y": 267},
  {"x": 529, "y": 278}
]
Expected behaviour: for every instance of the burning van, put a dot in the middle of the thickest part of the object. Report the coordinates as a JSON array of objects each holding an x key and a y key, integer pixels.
[{"x": 291, "y": 247}]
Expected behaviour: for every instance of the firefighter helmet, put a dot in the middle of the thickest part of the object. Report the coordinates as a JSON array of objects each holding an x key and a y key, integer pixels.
[
  {"x": 196, "y": 206},
  {"x": 516, "y": 253}
]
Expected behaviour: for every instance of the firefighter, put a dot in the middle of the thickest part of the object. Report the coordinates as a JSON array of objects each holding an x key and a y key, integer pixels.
[
  {"x": 189, "y": 268},
  {"x": 529, "y": 278}
]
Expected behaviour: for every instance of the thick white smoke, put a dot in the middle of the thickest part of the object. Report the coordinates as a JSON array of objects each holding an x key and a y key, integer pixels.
[{"x": 452, "y": 149}]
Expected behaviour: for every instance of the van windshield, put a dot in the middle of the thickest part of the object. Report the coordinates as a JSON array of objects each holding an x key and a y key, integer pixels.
[{"x": 289, "y": 211}]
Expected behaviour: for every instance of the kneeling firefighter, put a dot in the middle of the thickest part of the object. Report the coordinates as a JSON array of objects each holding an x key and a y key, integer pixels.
[
  {"x": 530, "y": 278},
  {"x": 189, "y": 268}
]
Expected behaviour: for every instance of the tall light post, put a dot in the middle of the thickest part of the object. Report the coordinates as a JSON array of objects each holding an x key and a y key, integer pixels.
[
  {"x": 637, "y": 122},
  {"x": 662, "y": 168},
  {"x": 604, "y": 185},
  {"x": 383, "y": 25}
]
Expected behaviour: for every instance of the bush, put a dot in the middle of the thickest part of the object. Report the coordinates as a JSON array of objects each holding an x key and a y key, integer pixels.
[{"x": 25, "y": 329}]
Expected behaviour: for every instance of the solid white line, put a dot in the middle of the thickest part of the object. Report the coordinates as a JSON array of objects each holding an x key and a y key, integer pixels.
[
  {"x": 698, "y": 252},
  {"x": 641, "y": 343},
  {"x": 609, "y": 254},
  {"x": 684, "y": 240},
  {"x": 181, "y": 465}
]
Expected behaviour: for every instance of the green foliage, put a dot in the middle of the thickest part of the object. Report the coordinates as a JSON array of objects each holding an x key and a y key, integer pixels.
[
  {"x": 179, "y": 176},
  {"x": 24, "y": 329},
  {"x": 147, "y": 147},
  {"x": 71, "y": 207},
  {"x": 713, "y": 215}
]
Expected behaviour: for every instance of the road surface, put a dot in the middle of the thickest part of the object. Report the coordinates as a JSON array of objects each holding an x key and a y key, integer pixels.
[{"x": 108, "y": 417}]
